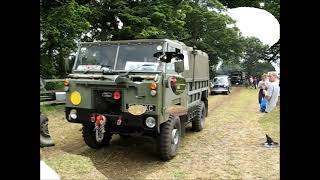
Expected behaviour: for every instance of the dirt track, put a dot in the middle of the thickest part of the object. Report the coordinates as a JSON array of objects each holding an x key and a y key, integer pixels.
[{"x": 228, "y": 148}]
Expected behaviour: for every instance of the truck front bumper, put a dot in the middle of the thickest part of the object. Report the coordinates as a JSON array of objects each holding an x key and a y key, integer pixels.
[
  {"x": 128, "y": 123},
  {"x": 219, "y": 90}
]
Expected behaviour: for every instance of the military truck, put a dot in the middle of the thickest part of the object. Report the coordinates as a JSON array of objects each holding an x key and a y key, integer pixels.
[
  {"x": 146, "y": 87},
  {"x": 237, "y": 77}
]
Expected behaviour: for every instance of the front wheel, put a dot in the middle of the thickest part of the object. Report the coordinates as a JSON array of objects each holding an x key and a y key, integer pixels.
[
  {"x": 92, "y": 140},
  {"x": 169, "y": 140},
  {"x": 45, "y": 138}
]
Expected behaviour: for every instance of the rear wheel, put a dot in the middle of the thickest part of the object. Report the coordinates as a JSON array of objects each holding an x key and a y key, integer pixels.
[
  {"x": 198, "y": 122},
  {"x": 90, "y": 138},
  {"x": 169, "y": 139}
]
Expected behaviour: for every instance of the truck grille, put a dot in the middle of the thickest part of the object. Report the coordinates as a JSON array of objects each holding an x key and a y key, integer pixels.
[
  {"x": 217, "y": 86},
  {"x": 105, "y": 104}
]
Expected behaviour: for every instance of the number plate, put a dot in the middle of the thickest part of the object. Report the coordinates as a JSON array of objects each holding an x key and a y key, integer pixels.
[{"x": 150, "y": 107}]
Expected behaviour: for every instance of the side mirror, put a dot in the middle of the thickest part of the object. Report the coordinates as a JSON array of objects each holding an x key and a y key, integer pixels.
[
  {"x": 179, "y": 66},
  {"x": 157, "y": 54},
  {"x": 180, "y": 56},
  {"x": 68, "y": 63}
]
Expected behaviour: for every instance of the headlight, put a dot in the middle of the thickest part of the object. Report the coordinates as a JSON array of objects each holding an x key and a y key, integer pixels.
[
  {"x": 151, "y": 122},
  {"x": 153, "y": 92},
  {"x": 75, "y": 98},
  {"x": 73, "y": 114}
]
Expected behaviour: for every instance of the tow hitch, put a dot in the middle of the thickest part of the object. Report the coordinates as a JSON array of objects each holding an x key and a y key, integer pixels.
[{"x": 100, "y": 122}]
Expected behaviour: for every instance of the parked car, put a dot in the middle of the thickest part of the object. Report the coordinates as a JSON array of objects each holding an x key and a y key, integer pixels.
[{"x": 220, "y": 84}]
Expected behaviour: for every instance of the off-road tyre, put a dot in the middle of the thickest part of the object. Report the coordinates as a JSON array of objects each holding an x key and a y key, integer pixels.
[
  {"x": 199, "y": 119},
  {"x": 45, "y": 138},
  {"x": 168, "y": 145},
  {"x": 89, "y": 137}
]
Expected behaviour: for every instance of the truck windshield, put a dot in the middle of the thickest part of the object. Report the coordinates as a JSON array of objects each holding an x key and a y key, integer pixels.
[{"x": 118, "y": 57}]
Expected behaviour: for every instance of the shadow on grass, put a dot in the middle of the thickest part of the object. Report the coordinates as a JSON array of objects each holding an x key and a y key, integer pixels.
[{"x": 135, "y": 157}]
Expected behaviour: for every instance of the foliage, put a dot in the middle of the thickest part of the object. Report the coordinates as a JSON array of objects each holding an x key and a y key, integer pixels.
[
  {"x": 54, "y": 86},
  {"x": 209, "y": 32},
  {"x": 61, "y": 23},
  {"x": 272, "y": 6},
  {"x": 241, "y": 3},
  {"x": 273, "y": 53},
  {"x": 227, "y": 68},
  {"x": 253, "y": 63},
  {"x": 197, "y": 23}
]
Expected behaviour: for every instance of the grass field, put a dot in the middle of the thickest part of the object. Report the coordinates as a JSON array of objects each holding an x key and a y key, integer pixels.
[
  {"x": 270, "y": 123},
  {"x": 229, "y": 147}
]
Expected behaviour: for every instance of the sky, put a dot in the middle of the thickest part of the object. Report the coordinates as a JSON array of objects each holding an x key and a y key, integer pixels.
[{"x": 258, "y": 23}]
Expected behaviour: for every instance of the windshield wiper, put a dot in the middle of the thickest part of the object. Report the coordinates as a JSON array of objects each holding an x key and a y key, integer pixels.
[
  {"x": 143, "y": 65},
  {"x": 123, "y": 78}
]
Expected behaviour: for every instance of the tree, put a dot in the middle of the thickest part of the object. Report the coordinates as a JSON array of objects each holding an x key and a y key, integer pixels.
[
  {"x": 273, "y": 53},
  {"x": 241, "y": 3},
  {"x": 208, "y": 30},
  {"x": 253, "y": 63},
  {"x": 197, "y": 23},
  {"x": 227, "y": 68},
  {"x": 61, "y": 23},
  {"x": 141, "y": 19},
  {"x": 272, "y": 6}
]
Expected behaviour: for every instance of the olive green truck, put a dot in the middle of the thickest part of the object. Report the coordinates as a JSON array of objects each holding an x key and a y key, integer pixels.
[{"x": 146, "y": 87}]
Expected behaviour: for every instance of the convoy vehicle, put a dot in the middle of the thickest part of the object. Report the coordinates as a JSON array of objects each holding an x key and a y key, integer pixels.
[{"x": 146, "y": 87}]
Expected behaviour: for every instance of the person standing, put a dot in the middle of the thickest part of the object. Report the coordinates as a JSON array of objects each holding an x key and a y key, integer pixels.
[
  {"x": 255, "y": 82},
  {"x": 272, "y": 92},
  {"x": 262, "y": 85},
  {"x": 250, "y": 81}
]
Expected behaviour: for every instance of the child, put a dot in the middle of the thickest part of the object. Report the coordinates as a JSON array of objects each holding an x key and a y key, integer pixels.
[{"x": 263, "y": 104}]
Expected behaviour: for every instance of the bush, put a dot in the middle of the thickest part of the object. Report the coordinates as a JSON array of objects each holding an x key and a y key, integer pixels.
[{"x": 54, "y": 86}]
